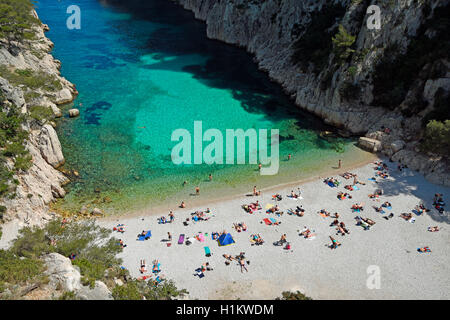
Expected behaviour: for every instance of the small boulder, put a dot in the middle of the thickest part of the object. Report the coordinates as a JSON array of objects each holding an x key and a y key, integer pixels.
[
  {"x": 96, "y": 212},
  {"x": 74, "y": 113}
]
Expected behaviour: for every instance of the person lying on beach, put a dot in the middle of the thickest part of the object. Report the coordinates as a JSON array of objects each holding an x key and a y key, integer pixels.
[
  {"x": 336, "y": 215},
  {"x": 334, "y": 243},
  {"x": 162, "y": 220},
  {"x": 240, "y": 227},
  {"x": 342, "y": 196},
  {"x": 406, "y": 216},
  {"x": 362, "y": 223},
  {"x": 142, "y": 269},
  {"x": 348, "y": 175},
  {"x": 382, "y": 174},
  {"x": 122, "y": 244},
  {"x": 277, "y": 197},
  {"x": 306, "y": 233},
  {"x": 386, "y": 204},
  {"x": 373, "y": 195},
  {"x": 340, "y": 230},
  {"x": 182, "y": 205},
  {"x": 433, "y": 229},
  {"x": 378, "y": 209},
  {"x": 331, "y": 181},
  {"x": 155, "y": 267},
  {"x": 324, "y": 212},
  {"x": 142, "y": 234},
  {"x": 368, "y": 221},
  {"x": 119, "y": 228},
  {"x": 420, "y": 208},
  {"x": 438, "y": 199},
  {"x": 256, "y": 239},
  {"x": 424, "y": 249},
  {"x": 357, "y": 207},
  {"x": 342, "y": 225},
  {"x": 349, "y": 187},
  {"x": 242, "y": 264},
  {"x": 334, "y": 223},
  {"x": 228, "y": 257},
  {"x": 356, "y": 181},
  {"x": 294, "y": 195}
]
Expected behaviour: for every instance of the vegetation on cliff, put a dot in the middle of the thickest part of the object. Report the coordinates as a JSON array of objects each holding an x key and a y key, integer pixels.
[
  {"x": 95, "y": 254},
  {"x": 16, "y": 20}
]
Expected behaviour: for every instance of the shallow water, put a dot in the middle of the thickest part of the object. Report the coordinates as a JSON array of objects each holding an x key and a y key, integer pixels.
[{"x": 144, "y": 69}]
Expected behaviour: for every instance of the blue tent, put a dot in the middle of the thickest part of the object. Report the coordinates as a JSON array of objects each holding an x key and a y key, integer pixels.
[{"x": 225, "y": 239}]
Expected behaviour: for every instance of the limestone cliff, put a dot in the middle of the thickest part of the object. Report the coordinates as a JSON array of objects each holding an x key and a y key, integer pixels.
[
  {"x": 354, "y": 93},
  {"x": 41, "y": 183}
]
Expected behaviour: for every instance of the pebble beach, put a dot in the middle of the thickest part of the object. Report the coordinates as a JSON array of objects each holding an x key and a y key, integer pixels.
[{"x": 389, "y": 247}]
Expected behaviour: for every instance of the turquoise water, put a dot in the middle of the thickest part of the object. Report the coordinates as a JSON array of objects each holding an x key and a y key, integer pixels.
[{"x": 146, "y": 68}]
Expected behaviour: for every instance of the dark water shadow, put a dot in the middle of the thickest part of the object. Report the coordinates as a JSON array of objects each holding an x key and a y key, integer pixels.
[{"x": 226, "y": 67}]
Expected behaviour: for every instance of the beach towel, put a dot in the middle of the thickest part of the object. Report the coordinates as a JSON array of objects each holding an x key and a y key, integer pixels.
[
  {"x": 200, "y": 274},
  {"x": 323, "y": 214},
  {"x": 389, "y": 208},
  {"x": 371, "y": 179},
  {"x": 269, "y": 205},
  {"x": 157, "y": 268},
  {"x": 267, "y": 221},
  {"x": 207, "y": 252},
  {"x": 148, "y": 234},
  {"x": 331, "y": 184},
  {"x": 355, "y": 188},
  {"x": 201, "y": 237},
  {"x": 141, "y": 238},
  {"x": 273, "y": 220},
  {"x": 181, "y": 239}
]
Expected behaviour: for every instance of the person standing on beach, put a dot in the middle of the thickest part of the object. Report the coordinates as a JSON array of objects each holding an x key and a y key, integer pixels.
[
  {"x": 339, "y": 165},
  {"x": 254, "y": 190},
  {"x": 169, "y": 236},
  {"x": 184, "y": 183},
  {"x": 197, "y": 190},
  {"x": 289, "y": 156},
  {"x": 210, "y": 177},
  {"x": 259, "y": 166},
  {"x": 171, "y": 216}
]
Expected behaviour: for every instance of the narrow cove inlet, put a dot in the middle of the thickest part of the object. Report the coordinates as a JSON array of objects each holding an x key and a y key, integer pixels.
[{"x": 142, "y": 74}]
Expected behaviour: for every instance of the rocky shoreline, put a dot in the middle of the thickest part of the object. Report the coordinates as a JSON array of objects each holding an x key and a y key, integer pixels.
[
  {"x": 42, "y": 183},
  {"x": 267, "y": 30}
]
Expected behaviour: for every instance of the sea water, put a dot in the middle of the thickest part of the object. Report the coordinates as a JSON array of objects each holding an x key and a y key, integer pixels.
[{"x": 146, "y": 68}]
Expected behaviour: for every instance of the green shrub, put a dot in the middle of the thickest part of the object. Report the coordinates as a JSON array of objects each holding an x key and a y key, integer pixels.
[
  {"x": 437, "y": 137},
  {"x": 342, "y": 44},
  {"x": 128, "y": 291},
  {"x": 41, "y": 113},
  {"x": 16, "y": 270},
  {"x": 95, "y": 250},
  {"x": 16, "y": 19},
  {"x": 287, "y": 295}
]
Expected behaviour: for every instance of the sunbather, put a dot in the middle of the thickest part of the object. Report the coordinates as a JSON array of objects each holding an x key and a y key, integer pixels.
[
  {"x": 433, "y": 229},
  {"x": 334, "y": 243},
  {"x": 143, "y": 269}
]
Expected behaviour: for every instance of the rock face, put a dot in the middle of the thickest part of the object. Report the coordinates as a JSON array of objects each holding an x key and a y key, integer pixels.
[
  {"x": 269, "y": 29},
  {"x": 61, "y": 272},
  {"x": 50, "y": 146},
  {"x": 42, "y": 183},
  {"x": 63, "y": 275}
]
